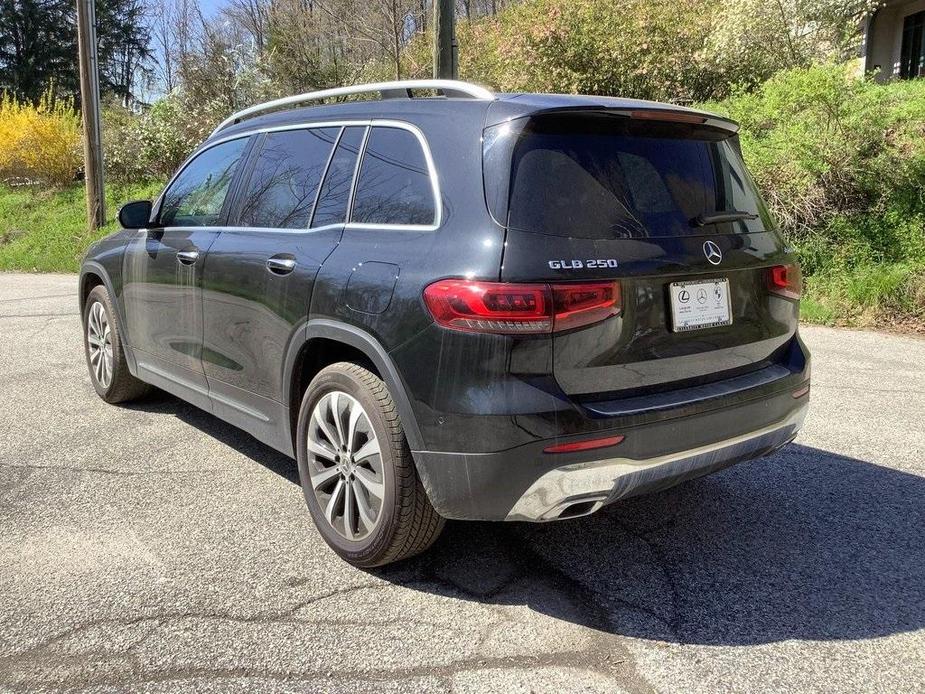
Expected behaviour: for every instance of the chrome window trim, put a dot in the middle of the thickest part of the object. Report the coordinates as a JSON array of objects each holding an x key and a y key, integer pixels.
[
  {"x": 368, "y": 123},
  {"x": 348, "y": 213}
]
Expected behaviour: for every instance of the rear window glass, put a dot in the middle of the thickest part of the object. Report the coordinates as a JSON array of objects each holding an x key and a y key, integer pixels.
[
  {"x": 394, "y": 185},
  {"x": 605, "y": 177}
]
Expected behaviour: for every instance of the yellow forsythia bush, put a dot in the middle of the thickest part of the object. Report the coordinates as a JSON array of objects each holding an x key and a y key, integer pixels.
[{"x": 39, "y": 144}]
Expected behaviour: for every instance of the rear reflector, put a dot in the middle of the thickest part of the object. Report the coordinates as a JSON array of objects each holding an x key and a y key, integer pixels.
[
  {"x": 506, "y": 308},
  {"x": 786, "y": 281},
  {"x": 584, "y": 445},
  {"x": 800, "y": 392}
]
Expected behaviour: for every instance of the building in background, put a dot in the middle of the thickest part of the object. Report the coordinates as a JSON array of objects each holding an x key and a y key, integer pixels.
[{"x": 894, "y": 41}]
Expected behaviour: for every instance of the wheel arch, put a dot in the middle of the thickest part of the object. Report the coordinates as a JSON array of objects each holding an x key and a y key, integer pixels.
[
  {"x": 93, "y": 274},
  {"x": 319, "y": 336}
]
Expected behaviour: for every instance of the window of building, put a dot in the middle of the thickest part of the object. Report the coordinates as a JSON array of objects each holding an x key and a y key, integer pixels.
[{"x": 912, "y": 53}]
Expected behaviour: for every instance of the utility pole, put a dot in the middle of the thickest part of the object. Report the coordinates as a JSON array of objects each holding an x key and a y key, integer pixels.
[
  {"x": 90, "y": 112},
  {"x": 445, "y": 49}
]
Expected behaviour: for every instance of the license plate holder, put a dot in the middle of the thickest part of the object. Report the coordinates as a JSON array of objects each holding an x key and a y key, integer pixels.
[{"x": 700, "y": 304}]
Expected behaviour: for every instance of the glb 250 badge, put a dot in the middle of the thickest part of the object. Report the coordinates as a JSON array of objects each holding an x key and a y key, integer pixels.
[{"x": 582, "y": 264}]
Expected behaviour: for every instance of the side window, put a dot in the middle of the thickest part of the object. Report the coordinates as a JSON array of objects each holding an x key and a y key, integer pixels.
[
  {"x": 196, "y": 196},
  {"x": 394, "y": 185},
  {"x": 335, "y": 191},
  {"x": 283, "y": 185}
]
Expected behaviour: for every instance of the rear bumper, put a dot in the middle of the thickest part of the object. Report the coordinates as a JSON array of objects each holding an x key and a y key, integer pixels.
[
  {"x": 579, "y": 489},
  {"x": 525, "y": 483}
]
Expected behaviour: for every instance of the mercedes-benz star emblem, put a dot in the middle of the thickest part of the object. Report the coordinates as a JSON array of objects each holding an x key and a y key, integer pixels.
[{"x": 712, "y": 252}]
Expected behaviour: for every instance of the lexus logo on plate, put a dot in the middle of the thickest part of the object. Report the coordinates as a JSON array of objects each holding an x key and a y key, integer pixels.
[{"x": 713, "y": 253}]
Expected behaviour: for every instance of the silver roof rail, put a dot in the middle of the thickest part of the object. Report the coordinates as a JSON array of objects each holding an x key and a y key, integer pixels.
[{"x": 451, "y": 88}]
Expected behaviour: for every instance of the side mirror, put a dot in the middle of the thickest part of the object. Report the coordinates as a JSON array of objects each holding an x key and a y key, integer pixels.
[{"x": 135, "y": 215}]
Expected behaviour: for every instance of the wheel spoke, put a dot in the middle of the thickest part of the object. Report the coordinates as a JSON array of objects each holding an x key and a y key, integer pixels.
[
  {"x": 335, "y": 408},
  {"x": 323, "y": 425},
  {"x": 373, "y": 486},
  {"x": 367, "y": 518},
  {"x": 348, "y": 510},
  {"x": 319, "y": 479},
  {"x": 321, "y": 450},
  {"x": 355, "y": 413},
  {"x": 94, "y": 340},
  {"x": 369, "y": 448},
  {"x": 332, "y": 502}
]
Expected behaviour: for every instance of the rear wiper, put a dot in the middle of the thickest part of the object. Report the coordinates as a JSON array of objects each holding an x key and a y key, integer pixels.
[{"x": 720, "y": 217}]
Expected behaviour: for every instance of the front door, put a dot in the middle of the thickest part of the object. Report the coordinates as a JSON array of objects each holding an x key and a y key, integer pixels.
[
  {"x": 260, "y": 271},
  {"x": 163, "y": 270}
]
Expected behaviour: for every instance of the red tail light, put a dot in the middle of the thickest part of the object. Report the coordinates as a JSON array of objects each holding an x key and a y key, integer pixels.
[
  {"x": 500, "y": 307},
  {"x": 786, "y": 281}
]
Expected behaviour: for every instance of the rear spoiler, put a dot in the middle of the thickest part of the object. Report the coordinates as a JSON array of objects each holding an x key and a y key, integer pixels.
[{"x": 644, "y": 112}]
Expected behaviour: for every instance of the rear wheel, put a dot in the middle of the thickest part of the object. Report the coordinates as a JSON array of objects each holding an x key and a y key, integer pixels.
[
  {"x": 109, "y": 370},
  {"x": 357, "y": 475}
]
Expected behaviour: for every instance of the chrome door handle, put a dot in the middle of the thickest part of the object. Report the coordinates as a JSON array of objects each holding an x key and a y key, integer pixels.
[
  {"x": 280, "y": 266},
  {"x": 187, "y": 257}
]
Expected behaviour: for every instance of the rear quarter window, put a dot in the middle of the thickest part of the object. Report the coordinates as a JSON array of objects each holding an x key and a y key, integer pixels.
[{"x": 394, "y": 184}]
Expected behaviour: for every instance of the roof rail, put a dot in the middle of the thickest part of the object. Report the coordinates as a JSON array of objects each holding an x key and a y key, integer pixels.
[{"x": 387, "y": 90}]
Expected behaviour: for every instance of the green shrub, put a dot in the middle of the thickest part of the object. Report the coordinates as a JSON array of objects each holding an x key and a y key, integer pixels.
[
  {"x": 841, "y": 162},
  {"x": 39, "y": 143},
  {"x": 154, "y": 144}
]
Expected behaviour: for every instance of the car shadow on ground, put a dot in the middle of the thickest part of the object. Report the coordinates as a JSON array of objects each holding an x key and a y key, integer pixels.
[{"x": 805, "y": 544}]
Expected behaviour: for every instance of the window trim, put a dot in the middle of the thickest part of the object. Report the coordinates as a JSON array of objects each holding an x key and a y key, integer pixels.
[{"x": 368, "y": 123}]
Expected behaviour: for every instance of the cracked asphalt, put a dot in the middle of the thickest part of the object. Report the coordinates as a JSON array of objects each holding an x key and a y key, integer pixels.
[{"x": 155, "y": 548}]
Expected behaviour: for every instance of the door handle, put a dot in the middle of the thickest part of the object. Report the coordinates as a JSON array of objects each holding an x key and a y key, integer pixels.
[
  {"x": 280, "y": 266},
  {"x": 187, "y": 257}
]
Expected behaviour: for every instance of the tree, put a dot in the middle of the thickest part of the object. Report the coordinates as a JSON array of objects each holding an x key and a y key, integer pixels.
[{"x": 38, "y": 46}]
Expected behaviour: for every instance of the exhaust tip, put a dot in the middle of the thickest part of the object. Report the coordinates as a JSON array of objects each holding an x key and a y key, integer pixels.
[{"x": 574, "y": 509}]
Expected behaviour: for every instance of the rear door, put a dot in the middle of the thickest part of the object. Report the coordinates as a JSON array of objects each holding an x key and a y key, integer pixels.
[
  {"x": 260, "y": 271},
  {"x": 667, "y": 208},
  {"x": 164, "y": 267}
]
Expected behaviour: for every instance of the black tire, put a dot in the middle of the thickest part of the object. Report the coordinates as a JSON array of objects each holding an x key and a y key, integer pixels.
[
  {"x": 407, "y": 524},
  {"x": 122, "y": 386}
]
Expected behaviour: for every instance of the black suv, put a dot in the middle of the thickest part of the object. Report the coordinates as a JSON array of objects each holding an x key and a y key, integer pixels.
[{"x": 448, "y": 303}]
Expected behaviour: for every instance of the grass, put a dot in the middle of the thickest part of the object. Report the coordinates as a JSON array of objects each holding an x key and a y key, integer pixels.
[{"x": 46, "y": 231}]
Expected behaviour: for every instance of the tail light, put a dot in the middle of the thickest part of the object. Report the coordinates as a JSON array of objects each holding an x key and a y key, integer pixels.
[
  {"x": 501, "y": 307},
  {"x": 786, "y": 281}
]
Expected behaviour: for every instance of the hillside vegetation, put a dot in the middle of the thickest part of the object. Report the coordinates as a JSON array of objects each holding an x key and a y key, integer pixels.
[{"x": 840, "y": 160}]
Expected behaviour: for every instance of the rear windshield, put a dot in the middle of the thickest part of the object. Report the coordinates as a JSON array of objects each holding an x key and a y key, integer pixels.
[{"x": 599, "y": 176}]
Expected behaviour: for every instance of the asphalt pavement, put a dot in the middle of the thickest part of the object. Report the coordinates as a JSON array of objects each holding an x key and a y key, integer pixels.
[{"x": 153, "y": 547}]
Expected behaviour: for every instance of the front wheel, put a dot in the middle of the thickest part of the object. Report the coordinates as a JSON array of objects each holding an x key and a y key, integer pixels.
[
  {"x": 109, "y": 370},
  {"x": 357, "y": 475}
]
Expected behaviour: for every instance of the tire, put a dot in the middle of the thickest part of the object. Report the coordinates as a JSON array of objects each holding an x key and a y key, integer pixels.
[
  {"x": 405, "y": 523},
  {"x": 108, "y": 368}
]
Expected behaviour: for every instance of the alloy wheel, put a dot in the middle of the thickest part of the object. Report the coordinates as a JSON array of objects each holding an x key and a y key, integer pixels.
[
  {"x": 99, "y": 339},
  {"x": 345, "y": 465}
]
